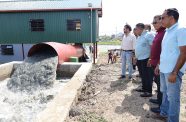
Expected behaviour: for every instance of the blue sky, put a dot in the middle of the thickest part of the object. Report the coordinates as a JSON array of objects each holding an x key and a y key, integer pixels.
[{"x": 118, "y": 12}]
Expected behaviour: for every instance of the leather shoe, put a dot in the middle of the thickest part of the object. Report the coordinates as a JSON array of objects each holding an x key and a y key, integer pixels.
[
  {"x": 122, "y": 77},
  {"x": 146, "y": 94},
  {"x": 159, "y": 117},
  {"x": 155, "y": 110},
  {"x": 155, "y": 101},
  {"x": 130, "y": 77},
  {"x": 139, "y": 90}
]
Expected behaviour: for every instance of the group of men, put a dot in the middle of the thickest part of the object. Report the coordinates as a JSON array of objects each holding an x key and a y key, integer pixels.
[{"x": 161, "y": 58}]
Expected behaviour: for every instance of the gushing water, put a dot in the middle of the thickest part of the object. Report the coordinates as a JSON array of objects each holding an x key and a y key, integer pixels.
[
  {"x": 24, "y": 106},
  {"x": 36, "y": 71},
  {"x": 33, "y": 83}
]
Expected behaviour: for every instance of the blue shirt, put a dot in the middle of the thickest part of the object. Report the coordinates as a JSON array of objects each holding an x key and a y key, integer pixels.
[
  {"x": 143, "y": 43},
  {"x": 173, "y": 38}
]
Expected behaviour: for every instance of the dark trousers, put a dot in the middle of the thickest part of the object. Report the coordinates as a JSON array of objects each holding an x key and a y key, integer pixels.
[
  {"x": 110, "y": 58},
  {"x": 146, "y": 75},
  {"x": 134, "y": 67},
  {"x": 157, "y": 81},
  {"x": 138, "y": 66}
]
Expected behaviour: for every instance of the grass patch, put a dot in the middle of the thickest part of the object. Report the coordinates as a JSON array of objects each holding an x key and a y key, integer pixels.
[
  {"x": 103, "y": 53},
  {"x": 114, "y": 42},
  {"x": 92, "y": 117}
]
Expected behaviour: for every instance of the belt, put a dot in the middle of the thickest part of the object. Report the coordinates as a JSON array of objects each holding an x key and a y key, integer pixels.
[{"x": 127, "y": 50}]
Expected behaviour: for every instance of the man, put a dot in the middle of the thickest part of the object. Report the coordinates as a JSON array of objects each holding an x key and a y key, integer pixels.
[
  {"x": 127, "y": 47},
  {"x": 134, "y": 58},
  {"x": 134, "y": 61},
  {"x": 155, "y": 57},
  {"x": 142, "y": 52},
  {"x": 148, "y": 27},
  {"x": 172, "y": 60}
]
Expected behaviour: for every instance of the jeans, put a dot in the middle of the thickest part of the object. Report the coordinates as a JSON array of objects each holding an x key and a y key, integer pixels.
[
  {"x": 170, "y": 106},
  {"x": 126, "y": 57}
]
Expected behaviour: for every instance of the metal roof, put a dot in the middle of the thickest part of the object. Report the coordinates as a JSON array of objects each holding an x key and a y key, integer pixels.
[{"x": 12, "y": 6}]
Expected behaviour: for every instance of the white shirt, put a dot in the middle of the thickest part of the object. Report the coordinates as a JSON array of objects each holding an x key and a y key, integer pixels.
[{"x": 128, "y": 42}]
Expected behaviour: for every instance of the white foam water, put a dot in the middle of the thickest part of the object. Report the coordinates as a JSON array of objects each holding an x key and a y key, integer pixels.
[
  {"x": 36, "y": 71},
  {"x": 23, "y": 106},
  {"x": 32, "y": 84}
]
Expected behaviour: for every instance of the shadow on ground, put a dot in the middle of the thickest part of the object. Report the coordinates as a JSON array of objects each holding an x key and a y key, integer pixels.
[
  {"x": 135, "y": 105},
  {"x": 119, "y": 85}
]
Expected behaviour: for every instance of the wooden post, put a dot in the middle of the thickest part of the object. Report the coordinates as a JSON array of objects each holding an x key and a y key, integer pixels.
[
  {"x": 94, "y": 58},
  {"x": 96, "y": 50}
]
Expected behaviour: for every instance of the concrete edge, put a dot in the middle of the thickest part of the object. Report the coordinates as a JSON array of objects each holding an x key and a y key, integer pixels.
[
  {"x": 6, "y": 69},
  {"x": 58, "y": 109}
]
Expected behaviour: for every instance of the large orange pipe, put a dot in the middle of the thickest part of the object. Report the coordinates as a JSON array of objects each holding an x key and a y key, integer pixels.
[{"x": 63, "y": 51}]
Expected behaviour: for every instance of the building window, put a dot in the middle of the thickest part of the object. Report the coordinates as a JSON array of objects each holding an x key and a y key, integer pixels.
[
  {"x": 7, "y": 50},
  {"x": 73, "y": 24},
  {"x": 37, "y": 25}
]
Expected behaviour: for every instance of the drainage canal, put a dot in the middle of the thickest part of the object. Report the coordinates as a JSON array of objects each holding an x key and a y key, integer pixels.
[
  {"x": 31, "y": 86},
  {"x": 36, "y": 71}
]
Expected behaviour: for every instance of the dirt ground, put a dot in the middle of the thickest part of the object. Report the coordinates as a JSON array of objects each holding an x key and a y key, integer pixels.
[{"x": 104, "y": 98}]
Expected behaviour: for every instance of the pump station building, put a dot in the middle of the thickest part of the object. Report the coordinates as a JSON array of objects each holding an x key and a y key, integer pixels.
[{"x": 24, "y": 23}]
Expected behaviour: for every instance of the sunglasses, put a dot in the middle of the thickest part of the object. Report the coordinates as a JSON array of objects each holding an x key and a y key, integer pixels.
[{"x": 163, "y": 17}]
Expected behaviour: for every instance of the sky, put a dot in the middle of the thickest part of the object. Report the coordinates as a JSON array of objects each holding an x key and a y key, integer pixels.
[{"x": 116, "y": 13}]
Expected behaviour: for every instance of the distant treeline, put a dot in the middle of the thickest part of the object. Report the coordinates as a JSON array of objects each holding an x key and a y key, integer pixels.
[{"x": 113, "y": 42}]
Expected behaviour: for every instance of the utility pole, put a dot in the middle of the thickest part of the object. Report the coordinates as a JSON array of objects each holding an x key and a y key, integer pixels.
[{"x": 116, "y": 32}]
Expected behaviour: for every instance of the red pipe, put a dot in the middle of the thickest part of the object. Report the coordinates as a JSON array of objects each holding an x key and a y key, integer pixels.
[{"x": 63, "y": 51}]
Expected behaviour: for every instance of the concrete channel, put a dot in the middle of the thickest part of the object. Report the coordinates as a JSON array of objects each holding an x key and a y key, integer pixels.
[{"x": 58, "y": 108}]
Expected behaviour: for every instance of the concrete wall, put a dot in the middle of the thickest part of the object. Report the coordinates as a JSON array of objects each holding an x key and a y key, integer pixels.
[
  {"x": 6, "y": 70},
  {"x": 67, "y": 69},
  {"x": 58, "y": 109},
  {"x": 18, "y": 53}
]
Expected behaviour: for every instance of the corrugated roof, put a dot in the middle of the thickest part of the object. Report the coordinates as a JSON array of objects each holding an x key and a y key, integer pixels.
[{"x": 49, "y": 5}]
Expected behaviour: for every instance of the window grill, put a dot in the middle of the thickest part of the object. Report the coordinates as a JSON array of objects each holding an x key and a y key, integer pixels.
[
  {"x": 37, "y": 24},
  {"x": 74, "y": 25},
  {"x": 7, "y": 50}
]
